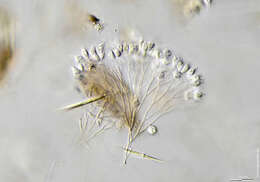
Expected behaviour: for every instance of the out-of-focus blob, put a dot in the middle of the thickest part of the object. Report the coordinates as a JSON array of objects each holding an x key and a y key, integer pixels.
[
  {"x": 7, "y": 42},
  {"x": 190, "y": 8}
]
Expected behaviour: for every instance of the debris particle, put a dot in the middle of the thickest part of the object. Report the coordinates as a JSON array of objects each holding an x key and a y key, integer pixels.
[{"x": 96, "y": 22}]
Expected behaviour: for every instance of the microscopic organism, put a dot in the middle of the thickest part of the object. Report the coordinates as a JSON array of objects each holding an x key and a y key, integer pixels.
[{"x": 131, "y": 84}]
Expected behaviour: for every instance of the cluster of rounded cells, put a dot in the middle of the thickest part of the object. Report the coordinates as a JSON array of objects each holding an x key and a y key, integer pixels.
[{"x": 134, "y": 84}]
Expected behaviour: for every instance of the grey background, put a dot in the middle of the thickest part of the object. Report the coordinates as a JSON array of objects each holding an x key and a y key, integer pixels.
[{"x": 214, "y": 141}]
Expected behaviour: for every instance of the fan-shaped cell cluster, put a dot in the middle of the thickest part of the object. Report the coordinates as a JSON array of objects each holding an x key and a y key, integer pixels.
[{"x": 135, "y": 83}]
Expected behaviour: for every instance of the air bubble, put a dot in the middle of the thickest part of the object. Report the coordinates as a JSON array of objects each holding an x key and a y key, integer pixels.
[{"x": 152, "y": 130}]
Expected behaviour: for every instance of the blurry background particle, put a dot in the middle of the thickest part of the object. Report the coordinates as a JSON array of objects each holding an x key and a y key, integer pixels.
[
  {"x": 190, "y": 8},
  {"x": 7, "y": 39}
]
